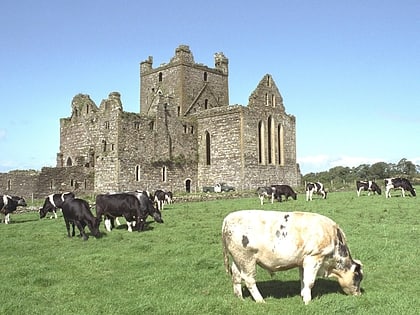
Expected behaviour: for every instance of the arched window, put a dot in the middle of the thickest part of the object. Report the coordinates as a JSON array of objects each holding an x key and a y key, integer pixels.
[
  {"x": 205, "y": 76},
  {"x": 280, "y": 143},
  {"x": 261, "y": 143},
  {"x": 160, "y": 76},
  {"x": 270, "y": 141},
  {"x": 103, "y": 145},
  {"x": 69, "y": 162},
  {"x": 206, "y": 103},
  {"x": 208, "y": 155},
  {"x": 164, "y": 174},
  {"x": 137, "y": 171}
]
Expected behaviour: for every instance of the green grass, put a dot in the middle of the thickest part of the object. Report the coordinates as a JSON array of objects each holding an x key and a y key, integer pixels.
[{"x": 177, "y": 267}]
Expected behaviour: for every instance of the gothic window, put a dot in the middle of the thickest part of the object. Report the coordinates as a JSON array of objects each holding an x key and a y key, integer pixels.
[
  {"x": 208, "y": 160},
  {"x": 9, "y": 184},
  {"x": 160, "y": 76},
  {"x": 106, "y": 124},
  {"x": 261, "y": 143},
  {"x": 206, "y": 103},
  {"x": 164, "y": 174},
  {"x": 87, "y": 109},
  {"x": 137, "y": 171},
  {"x": 137, "y": 125},
  {"x": 179, "y": 111},
  {"x": 205, "y": 76},
  {"x": 152, "y": 125},
  {"x": 268, "y": 81},
  {"x": 103, "y": 146},
  {"x": 273, "y": 100},
  {"x": 69, "y": 162},
  {"x": 266, "y": 99},
  {"x": 280, "y": 143},
  {"x": 270, "y": 140}
]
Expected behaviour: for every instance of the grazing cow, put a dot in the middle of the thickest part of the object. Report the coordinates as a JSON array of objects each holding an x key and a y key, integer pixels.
[
  {"x": 169, "y": 198},
  {"x": 159, "y": 198},
  {"x": 283, "y": 240},
  {"x": 77, "y": 212},
  {"x": 265, "y": 192},
  {"x": 9, "y": 204},
  {"x": 398, "y": 183},
  {"x": 284, "y": 190},
  {"x": 368, "y": 186},
  {"x": 317, "y": 188},
  {"x": 134, "y": 207},
  {"x": 52, "y": 202}
]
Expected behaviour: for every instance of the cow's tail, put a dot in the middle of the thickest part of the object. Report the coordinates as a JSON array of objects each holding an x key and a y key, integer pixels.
[{"x": 225, "y": 234}]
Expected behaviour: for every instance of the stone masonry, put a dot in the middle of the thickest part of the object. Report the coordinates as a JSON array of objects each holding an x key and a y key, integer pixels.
[{"x": 185, "y": 136}]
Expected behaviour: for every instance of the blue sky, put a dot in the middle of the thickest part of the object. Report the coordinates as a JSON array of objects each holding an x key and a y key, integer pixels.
[{"x": 348, "y": 70}]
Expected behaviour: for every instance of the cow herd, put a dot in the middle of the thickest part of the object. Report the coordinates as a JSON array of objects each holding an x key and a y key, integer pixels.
[
  {"x": 134, "y": 206},
  {"x": 275, "y": 192},
  {"x": 274, "y": 240}
]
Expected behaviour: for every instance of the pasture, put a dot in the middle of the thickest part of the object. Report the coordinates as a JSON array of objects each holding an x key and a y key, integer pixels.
[{"x": 177, "y": 267}]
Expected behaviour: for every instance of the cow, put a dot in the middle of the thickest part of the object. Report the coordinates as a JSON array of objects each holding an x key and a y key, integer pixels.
[
  {"x": 159, "y": 199},
  {"x": 398, "y": 183},
  {"x": 283, "y": 240},
  {"x": 9, "y": 204},
  {"x": 263, "y": 192},
  {"x": 317, "y": 188},
  {"x": 369, "y": 186},
  {"x": 77, "y": 212},
  {"x": 134, "y": 207},
  {"x": 169, "y": 197},
  {"x": 283, "y": 190},
  {"x": 53, "y": 202}
]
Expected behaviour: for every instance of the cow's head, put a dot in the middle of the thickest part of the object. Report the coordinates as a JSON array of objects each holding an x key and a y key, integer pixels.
[{"x": 350, "y": 279}]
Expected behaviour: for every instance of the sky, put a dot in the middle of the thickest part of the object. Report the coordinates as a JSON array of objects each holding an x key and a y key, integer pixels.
[{"x": 348, "y": 70}]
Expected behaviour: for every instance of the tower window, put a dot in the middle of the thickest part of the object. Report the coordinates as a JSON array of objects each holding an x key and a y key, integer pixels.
[{"x": 160, "y": 76}]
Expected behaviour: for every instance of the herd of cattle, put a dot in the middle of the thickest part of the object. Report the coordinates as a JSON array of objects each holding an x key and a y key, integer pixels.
[
  {"x": 134, "y": 206},
  {"x": 274, "y": 240},
  {"x": 277, "y": 191}
]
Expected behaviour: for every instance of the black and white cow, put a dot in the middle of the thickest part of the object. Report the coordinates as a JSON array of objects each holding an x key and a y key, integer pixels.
[
  {"x": 161, "y": 198},
  {"x": 283, "y": 190},
  {"x": 266, "y": 191},
  {"x": 369, "y": 186},
  {"x": 133, "y": 207},
  {"x": 77, "y": 212},
  {"x": 398, "y": 183},
  {"x": 9, "y": 204},
  {"x": 54, "y": 201},
  {"x": 317, "y": 188}
]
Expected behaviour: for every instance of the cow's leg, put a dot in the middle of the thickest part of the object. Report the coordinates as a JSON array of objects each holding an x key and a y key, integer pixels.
[
  {"x": 7, "y": 218},
  {"x": 248, "y": 273},
  {"x": 272, "y": 198},
  {"x": 237, "y": 280},
  {"x": 387, "y": 192},
  {"x": 310, "y": 268},
  {"x": 108, "y": 224},
  {"x": 359, "y": 191},
  {"x": 55, "y": 214},
  {"x": 402, "y": 192},
  {"x": 81, "y": 229},
  {"x": 117, "y": 221},
  {"x": 129, "y": 228},
  {"x": 262, "y": 199},
  {"x": 67, "y": 227}
]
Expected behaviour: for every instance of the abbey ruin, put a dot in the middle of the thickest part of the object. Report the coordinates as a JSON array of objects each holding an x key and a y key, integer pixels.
[{"x": 185, "y": 136}]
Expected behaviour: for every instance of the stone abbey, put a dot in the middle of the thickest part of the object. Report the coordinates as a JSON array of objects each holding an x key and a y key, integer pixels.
[{"x": 185, "y": 136}]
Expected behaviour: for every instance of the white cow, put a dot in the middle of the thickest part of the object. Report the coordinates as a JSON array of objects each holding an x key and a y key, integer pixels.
[{"x": 283, "y": 240}]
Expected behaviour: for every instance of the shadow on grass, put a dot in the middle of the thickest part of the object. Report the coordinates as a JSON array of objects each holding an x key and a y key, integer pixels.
[{"x": 282, "y": 289}]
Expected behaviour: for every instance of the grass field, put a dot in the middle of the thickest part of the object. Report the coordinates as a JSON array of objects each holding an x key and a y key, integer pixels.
[{"x": 177, "y": 267}]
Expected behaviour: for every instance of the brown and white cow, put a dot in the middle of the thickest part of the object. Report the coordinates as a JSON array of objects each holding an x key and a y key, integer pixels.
[{"x": 283, "y": 240}]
